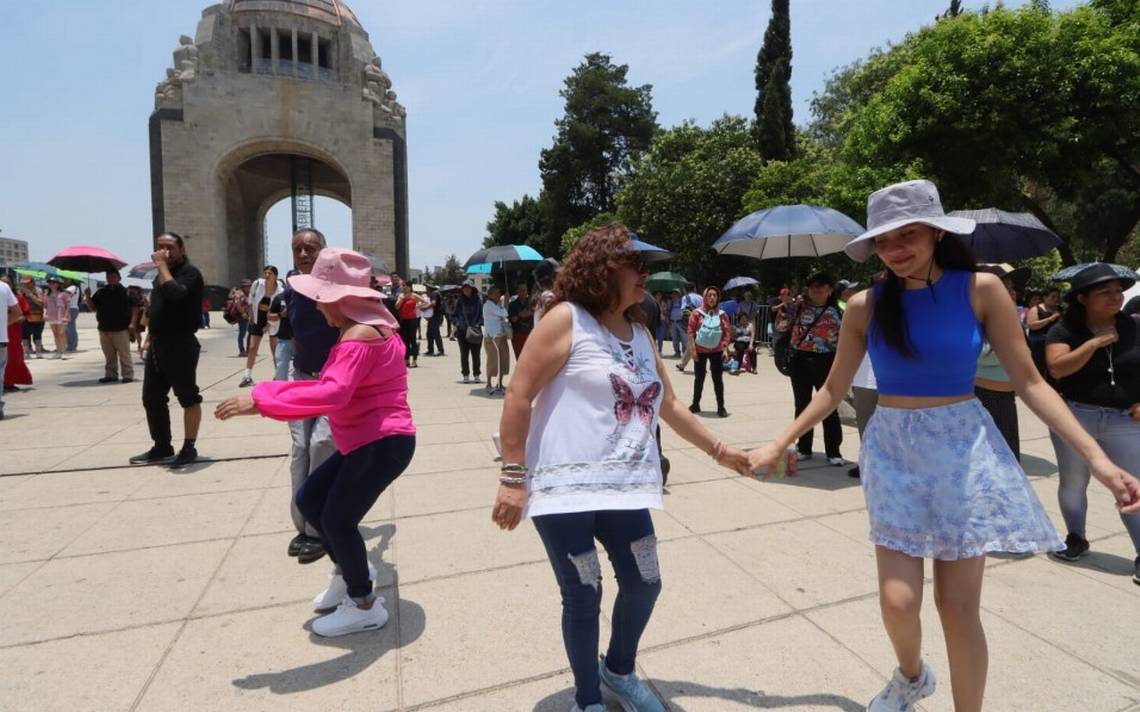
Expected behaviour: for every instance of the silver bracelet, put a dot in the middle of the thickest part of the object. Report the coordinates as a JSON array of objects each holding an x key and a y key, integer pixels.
[
  {"x": 514, "y": 469},
  {"x": 512, "y": 480}
]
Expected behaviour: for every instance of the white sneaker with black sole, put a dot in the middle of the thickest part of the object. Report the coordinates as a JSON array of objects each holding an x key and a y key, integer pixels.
[
  {"x": 337, "y": 590},
  {"x": 351, "y": 618}
]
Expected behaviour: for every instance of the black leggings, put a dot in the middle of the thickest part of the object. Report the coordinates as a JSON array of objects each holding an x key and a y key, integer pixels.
[
  {"x": 468, "y": 351},
  {"x": 1002, "y": 406},
  {"x": 717, "y": 362},
  {"x": 409, "y": 333},
  {"x": 809, "y": 372},
  {"x": 337, "y": 495}
]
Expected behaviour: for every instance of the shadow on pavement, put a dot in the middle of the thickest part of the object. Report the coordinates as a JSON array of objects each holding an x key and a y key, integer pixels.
[
  {"x": 405, "y": 625},
  {"x": 673, "y": 689},
  {"x": 86, "y": 383},
  {"x": 1101, "y": 561},
  {"x": 1034, "y": 465},
  {"x": 818, "y": 474}
]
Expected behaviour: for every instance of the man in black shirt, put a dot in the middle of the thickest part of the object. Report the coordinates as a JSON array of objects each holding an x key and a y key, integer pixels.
[
  {"x": 172, "y": 358},
  {"x": 112, "y": 307}
]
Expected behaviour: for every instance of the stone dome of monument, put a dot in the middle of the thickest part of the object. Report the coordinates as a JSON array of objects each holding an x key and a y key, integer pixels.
[{"x": 332, "y": 12}]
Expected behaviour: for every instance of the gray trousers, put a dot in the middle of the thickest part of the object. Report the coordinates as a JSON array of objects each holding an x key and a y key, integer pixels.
[
  {"x": 1119, "y": 435},
  {"x": 312, "y": 445},
  {"x": 866, "y": 399},
  {"x": 3, "y": 365}
]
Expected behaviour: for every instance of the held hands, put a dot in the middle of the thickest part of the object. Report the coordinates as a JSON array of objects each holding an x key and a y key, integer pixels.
[
  {"x": 764, "y": 458},
  {"x": 1124, "y": 487},
  {"x": 735, "y": 459},
  {"x": 238, "y": 405},
  {"x": 508, "y": 509}
]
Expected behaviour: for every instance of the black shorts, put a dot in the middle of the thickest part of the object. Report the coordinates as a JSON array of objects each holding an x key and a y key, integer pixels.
[
  {"x": 256, "y": 329},
  {"x": 172, "y": 364}
]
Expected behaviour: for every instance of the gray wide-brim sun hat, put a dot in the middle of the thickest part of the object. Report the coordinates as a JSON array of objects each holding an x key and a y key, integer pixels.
[{"x": 915, "y": 201}]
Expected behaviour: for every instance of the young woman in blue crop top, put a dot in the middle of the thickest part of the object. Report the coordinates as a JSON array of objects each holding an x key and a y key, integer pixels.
[{"x": 939, "y": 479}]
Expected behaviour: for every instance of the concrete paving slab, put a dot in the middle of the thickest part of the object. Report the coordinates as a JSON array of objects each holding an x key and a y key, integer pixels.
[
  {"x": 34, "y": 459},
  {"x": 267, "y": 660},
  {"x": 61, "y": 489},
  {"x": 167, "y": 520},
  {"x": 553, "y": 693},
  {"x": 209, "y": 477},
  {"x": 35, "y": 534},
  {"x": 92, "y": 594},
  {"x": 785, "y": 664},
  {"x": 12, "y": 574},
  {"x": 103, "y": 672},
  {"x": 724, "y": 505},
  {"x": 445, "y": 491}
]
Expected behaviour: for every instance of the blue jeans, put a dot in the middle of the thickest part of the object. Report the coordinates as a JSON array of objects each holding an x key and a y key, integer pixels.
[
  {"x": 679, "y": 333},
  {"x": 631, "y": 545},
  {"x": 73, "y": 330},
  {"x": 341, "y": 491},
  {"x": 1119, "y": 435},
  {"x": 284, "y": 359},
  {"x": 243, "y": 336}
]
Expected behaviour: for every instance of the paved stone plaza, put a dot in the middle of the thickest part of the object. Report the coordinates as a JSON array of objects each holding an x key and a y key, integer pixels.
[{"x": 144, "y": 589}]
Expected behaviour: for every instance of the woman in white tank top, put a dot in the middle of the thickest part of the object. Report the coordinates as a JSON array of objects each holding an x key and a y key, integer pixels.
[{"x": 592, "y": 469}]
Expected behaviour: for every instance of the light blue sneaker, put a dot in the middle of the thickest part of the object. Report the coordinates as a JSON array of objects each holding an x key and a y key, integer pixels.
[{"x": 631, "y": 692}]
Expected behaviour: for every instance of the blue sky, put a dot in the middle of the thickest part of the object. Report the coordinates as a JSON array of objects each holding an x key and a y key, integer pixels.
[{"x": 480, "y": 80}]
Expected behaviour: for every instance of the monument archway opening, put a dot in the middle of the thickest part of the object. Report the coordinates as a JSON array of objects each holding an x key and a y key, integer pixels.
[{"x": 334, "y": 220}]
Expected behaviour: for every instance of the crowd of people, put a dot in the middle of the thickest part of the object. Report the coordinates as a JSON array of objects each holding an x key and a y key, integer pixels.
[{"x": 933, "y": 354}]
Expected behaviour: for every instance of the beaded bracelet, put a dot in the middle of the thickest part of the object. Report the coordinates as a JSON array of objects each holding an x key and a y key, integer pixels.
[
  {"x": 514, "y": 469},
  {"x": 717, "y": 451},
  {"x": 512, "y": 480}
]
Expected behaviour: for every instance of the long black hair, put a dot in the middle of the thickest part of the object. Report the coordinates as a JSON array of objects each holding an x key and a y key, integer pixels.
[{"x": 889, "y": 318}]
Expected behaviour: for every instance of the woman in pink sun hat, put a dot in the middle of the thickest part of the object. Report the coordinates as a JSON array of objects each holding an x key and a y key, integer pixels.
[{"x": 363, "y": 389}]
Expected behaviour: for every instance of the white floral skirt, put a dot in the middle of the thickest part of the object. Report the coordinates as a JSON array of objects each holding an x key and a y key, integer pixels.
[{"x": 941, "y": 483}]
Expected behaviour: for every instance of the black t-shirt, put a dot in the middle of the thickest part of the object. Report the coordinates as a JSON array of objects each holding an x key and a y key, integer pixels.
[
  {"x": 652, "y": 314},
  {"x": 112, "y": 307},
  {"x": 284, "y": 328},
  {"x": 176, "y": 306},
  {"x": 523, "y": 325},
  {"x": 1093, "y": 383}
]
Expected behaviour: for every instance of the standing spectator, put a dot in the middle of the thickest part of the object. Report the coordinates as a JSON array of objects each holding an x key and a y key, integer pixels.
[
  {"x": 1094, "y": 353},
  {"x": 815, "y": 338},
  {"x": 662, "y": 303},
  {"x": 710, "y": 332},
  {"x": 782, "y": 313},
  {"x": 205, "y": 313},
  {"x": 16, "y": 372},
  {"x": 73, "y": 302},
  {"x": 689, "y": 303},
  {"x": 447, "y": 301},
  {"x": 521, "y": 314},
  {"x": 678, "y": 328},
  {"x": 261, "y": 296},
  {"x": 865, "y": 394},
  {"x": 579, "y": 458},
  {"x": 33, "y": 331},
  {"x": 172, "y": 357},
  {"x": 140, "y": 305},
  {"x": 992, "y": 384},
  {"x": 312, "y": 440},
  {"x": 747, "y": 305},
  {"x": 468, "y": 319},
  {"x": 544, "y": 273},
  {"x": 112, "y": 307},
  {"x": 283, "y": 354},
  {"x": 407, "y": 306},
  {"x": 1039, "y": 320},
  {"x": 745, "y": 341},
  {"x": 495, "y": 320},
  {"x": 57, "y": 312},
  {"x": 11, "y": 308},
  {"x": 237, "y": 306},
  {"x": 435, "y": 315}
]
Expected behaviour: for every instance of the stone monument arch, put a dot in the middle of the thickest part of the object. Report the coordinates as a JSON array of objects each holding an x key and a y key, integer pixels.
[{"x": 276, "y": 99}]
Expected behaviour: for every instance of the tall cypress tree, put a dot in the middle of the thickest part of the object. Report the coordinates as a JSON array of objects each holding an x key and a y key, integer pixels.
[{"x": 775, "y": 133}]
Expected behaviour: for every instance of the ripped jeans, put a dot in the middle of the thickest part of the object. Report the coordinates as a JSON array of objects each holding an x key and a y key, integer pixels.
[{"x": 631, "y": 545}]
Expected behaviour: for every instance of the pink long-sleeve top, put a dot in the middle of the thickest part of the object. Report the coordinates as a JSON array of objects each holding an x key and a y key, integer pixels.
[{"x": 363, "y": 389}]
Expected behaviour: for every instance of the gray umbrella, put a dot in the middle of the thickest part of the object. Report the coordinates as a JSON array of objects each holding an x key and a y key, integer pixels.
[
  {"x": 789, "y": 231},
  {"x": 1007, "y": 237},
  {"x": 1067, "y": 274}
]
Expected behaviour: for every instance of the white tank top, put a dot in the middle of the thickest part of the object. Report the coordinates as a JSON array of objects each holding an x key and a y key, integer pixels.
[{"x": 592, "y": 443}]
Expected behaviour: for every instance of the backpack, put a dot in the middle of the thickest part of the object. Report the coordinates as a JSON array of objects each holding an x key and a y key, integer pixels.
[
  {"x": 710, "y": 332},
  {"x": 230, "y": 312}
]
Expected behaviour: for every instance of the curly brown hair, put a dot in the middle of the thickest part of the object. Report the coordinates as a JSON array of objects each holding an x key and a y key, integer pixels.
[{"x": 587, "y": 277}]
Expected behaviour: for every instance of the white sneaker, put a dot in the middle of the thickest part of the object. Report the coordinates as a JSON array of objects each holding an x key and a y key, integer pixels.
[
  {"x": 900, "y": 694},
  {"x": 350, "y": 618},
  {"x": 837, "y": 461},
  {"x": 337, "y": 590}
]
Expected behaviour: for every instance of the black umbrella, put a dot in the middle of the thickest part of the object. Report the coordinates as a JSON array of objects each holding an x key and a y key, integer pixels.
[{"x": 1007, "y": 237}]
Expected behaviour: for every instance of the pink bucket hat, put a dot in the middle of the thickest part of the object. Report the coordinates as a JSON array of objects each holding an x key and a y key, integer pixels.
[{"x": 343, "y": 276}]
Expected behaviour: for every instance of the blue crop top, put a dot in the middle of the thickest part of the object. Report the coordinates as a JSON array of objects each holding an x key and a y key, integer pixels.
[{"x": 944, "y": 335}]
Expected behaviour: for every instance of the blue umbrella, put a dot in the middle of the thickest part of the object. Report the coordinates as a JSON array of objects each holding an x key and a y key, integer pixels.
[
  {"x": 504, "y": 254},
  {"x": 737, "y": 282},
  {"x": 789, "y": 231},
  {"x": 1067, "y": 274},
  {"x": 481, "y": 268},
  {"x": 651, "y": 253},
  {"x": 1007, "y": 237}
]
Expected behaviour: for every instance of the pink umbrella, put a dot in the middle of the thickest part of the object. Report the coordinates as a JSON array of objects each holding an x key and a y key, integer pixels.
[{"x": 83, "y": 258}]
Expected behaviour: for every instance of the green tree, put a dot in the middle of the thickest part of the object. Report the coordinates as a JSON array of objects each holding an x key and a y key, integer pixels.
[
  {"x": 1021, "y": 109},
  {"x": 686, "y": 192},
  {"x": 450, "y": 273},
  {"x": 774, "y": 130},
  {"x": 571, "y": 236},
  {"x": 607, "y": 125},
  {"x": 523, "y": 222}
]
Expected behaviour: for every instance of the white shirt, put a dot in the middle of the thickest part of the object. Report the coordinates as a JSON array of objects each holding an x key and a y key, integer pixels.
[
  {"x": 74, "y": 306},
  {"x": 865, "y": 376},
  {"x": 592, "y": 444},
  {"x": 7, "y": 301},
  {"x": 494, "y": 317}
]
